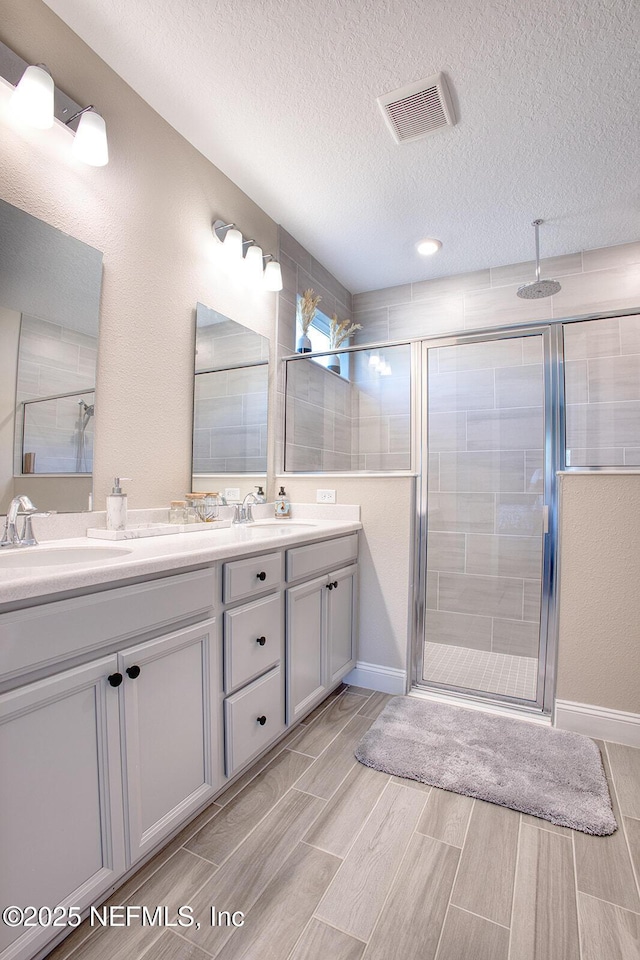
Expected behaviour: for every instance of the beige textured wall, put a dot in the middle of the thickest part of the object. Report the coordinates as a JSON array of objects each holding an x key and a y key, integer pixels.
[
  {"x": 599, "y": 649},
  {"x": 385, "y": 557},
  {"x": 150, "y": 212}
]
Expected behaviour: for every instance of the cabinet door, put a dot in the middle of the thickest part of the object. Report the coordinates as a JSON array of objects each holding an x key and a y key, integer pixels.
[
  {"x": 305, "y": 646},
  {"x": 61, "y": 827},
  {"x": 171, "y": 693},
  {"x": 341, "y": 633}
]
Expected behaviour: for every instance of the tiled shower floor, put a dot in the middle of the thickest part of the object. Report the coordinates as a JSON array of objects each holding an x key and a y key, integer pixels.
[{"x": 481, "y": 670}]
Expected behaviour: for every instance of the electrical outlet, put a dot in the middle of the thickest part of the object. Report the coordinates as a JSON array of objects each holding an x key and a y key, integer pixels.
[
  {"x": 325, "y": 496},
  {"x": 232, "y": 493}
]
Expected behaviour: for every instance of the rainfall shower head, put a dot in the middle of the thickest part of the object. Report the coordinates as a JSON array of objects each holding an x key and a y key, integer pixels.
[{"x": 538, "y": 289}]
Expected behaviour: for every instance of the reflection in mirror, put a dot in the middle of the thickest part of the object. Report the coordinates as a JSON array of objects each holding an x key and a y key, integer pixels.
[
  {"x": 49, "y": 304},
  {"x": 230, "y": 403}
]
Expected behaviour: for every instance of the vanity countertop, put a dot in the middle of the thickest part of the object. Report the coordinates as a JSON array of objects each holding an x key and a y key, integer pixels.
[{"x": 142, "y": 557}]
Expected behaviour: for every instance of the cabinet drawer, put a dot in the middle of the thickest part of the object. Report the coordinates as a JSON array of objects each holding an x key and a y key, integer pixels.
[
  {"x": 253, "y": 637},
  {"x": 246, "y": 578},
  {"x": 51, "y": 632},
  {"x": 316, "y": 557},
  {"x": 245, "y": 735}
]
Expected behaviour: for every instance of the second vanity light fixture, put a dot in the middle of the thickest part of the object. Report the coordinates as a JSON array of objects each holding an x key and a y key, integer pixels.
[
  {"x": 36, "y": 102},
  {"x": 265, "y": 269}
]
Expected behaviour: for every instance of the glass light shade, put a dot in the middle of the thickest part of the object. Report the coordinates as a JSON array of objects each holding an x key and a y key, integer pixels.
[
  {"x": 273, "y": 276},
  {"x": 233, "y": 242},
  {"x": 90, "y": 141},
  {"x": 253, "y": 259},
  {"x": 428, "y": 246},
  {"x": 32, "y": 99}
]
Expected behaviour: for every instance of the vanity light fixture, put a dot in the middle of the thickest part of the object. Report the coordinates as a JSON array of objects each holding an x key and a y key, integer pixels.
[
  {"x": 253, "y": 259},
  {"x": 37, "y": 102},
  {"x": 251, "y": 252},
  {"x": 272, "y": 274},
  {"x": 428, "y": 246},
  {"x": 32, "y": 99},
  {"x": 90, "y": 142}
]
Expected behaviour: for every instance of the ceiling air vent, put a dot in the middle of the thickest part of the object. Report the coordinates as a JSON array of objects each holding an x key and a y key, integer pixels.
[{"x": 418, "y": 109}]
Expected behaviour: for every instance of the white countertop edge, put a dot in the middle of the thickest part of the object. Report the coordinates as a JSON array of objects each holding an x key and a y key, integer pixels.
[{"x": 156, "y": 555}]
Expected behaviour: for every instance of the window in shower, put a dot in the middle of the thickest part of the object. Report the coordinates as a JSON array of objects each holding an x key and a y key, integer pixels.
[{"x": 602, "y": 392}]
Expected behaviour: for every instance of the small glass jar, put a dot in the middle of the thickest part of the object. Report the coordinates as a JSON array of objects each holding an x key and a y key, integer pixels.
[
  {"x": 195, "y": 507},
  {"x": 177, "y": 511},
  {"x": 211, "y": 504}
]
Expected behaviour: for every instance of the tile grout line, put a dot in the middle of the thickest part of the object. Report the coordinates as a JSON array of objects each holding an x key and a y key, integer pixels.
[
  {"x": 575, "y": 887},
  {"x": 515, "y": 883},
  {"x": 183, "y": 939},
  {"x": 622, "y": 826},
  {"x": 455, "y": 877},
  {"x": 610, "y": 903},
  {"x": 480, "y": 917}
]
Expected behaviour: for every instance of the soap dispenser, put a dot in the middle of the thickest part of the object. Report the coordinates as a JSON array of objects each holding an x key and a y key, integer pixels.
[
  {"x": 117, "y": 506},
  {"x": 282, "y": 505}
]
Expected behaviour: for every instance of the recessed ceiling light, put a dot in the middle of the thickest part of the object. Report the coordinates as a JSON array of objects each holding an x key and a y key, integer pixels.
[{"x": 428, "y": 246}]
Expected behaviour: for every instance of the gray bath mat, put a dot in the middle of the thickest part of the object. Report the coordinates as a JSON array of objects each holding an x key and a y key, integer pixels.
[{"x": 538, "y": 770}]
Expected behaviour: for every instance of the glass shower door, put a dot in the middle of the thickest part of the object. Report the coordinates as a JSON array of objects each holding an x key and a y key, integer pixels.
[{"x": 485, "y": 517}]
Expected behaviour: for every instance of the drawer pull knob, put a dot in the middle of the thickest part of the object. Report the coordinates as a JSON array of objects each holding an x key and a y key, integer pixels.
[
  {"x": 261, "y": 641},
  {"x": 262, "y": 575},
  {"x": 115, "y": 679},
  {"x": 133, "y": 671},
  {"x": 262, "y": 720}
]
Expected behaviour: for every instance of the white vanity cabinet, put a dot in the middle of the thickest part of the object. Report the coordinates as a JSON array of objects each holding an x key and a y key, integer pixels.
[
  {"x": 100, "y": 762},
  {"x": 321, "y": 621},
  {"x": 61, "y": 821}
]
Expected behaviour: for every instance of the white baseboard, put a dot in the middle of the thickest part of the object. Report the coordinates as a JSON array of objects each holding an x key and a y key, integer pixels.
[
  {"x": 600, "y": 722},
  {"x": 375, "y": 677}
]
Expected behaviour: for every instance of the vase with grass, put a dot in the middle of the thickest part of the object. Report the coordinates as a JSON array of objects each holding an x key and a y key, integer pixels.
[
  {"x": 305, "y": 313},
  {"x": 339, "y": 332}
]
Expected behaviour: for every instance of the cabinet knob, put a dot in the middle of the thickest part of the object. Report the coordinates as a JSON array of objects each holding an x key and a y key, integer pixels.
[
  {"x": 261, "y": 641},
  {"x": 329, "y": 586},
  {"x": 262, "y": 721},
  {"x": 115, "y": 679},
  {"x": 262, "y": 575},
  {"x": 335, "y": 584},
  {"x": 133, "y": 671}
]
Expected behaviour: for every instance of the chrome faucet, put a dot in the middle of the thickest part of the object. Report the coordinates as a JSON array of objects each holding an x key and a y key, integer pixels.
[
  {"x": 10, "y": 535},
  {"x": 244, "y": 513}
]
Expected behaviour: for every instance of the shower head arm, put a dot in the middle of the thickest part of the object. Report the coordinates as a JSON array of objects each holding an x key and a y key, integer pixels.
[{"x": 536, "y": 224}]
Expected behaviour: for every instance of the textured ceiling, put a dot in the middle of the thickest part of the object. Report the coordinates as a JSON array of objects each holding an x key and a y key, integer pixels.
[{"x": 280, "y": 95}]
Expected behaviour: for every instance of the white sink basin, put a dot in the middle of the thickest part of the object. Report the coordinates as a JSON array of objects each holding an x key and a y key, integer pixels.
[{"x": 44, "y": 556}]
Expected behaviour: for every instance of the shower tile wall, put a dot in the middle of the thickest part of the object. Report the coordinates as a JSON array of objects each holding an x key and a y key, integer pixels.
[
  {"x": 319, "y": 421},
  {"x": 485, "y": 480},
  {"x": 593, "y": 281},
  {"x": 54, "y": 359},
  {"x": 602, "y": 376},
  {"x": 357, "y": 421}
]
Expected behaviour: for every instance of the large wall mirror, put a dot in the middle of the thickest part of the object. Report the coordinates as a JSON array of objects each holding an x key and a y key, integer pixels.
[
  {"x": 49, "y": 306},
  {"x": 230, "y": 404}
]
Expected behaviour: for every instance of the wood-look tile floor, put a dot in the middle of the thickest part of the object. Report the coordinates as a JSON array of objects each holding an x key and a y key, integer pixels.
[{"x": 330, "y": 860}]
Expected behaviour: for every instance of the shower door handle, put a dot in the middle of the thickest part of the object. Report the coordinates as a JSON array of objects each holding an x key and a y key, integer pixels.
[{"x": 545, "y": 518}]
